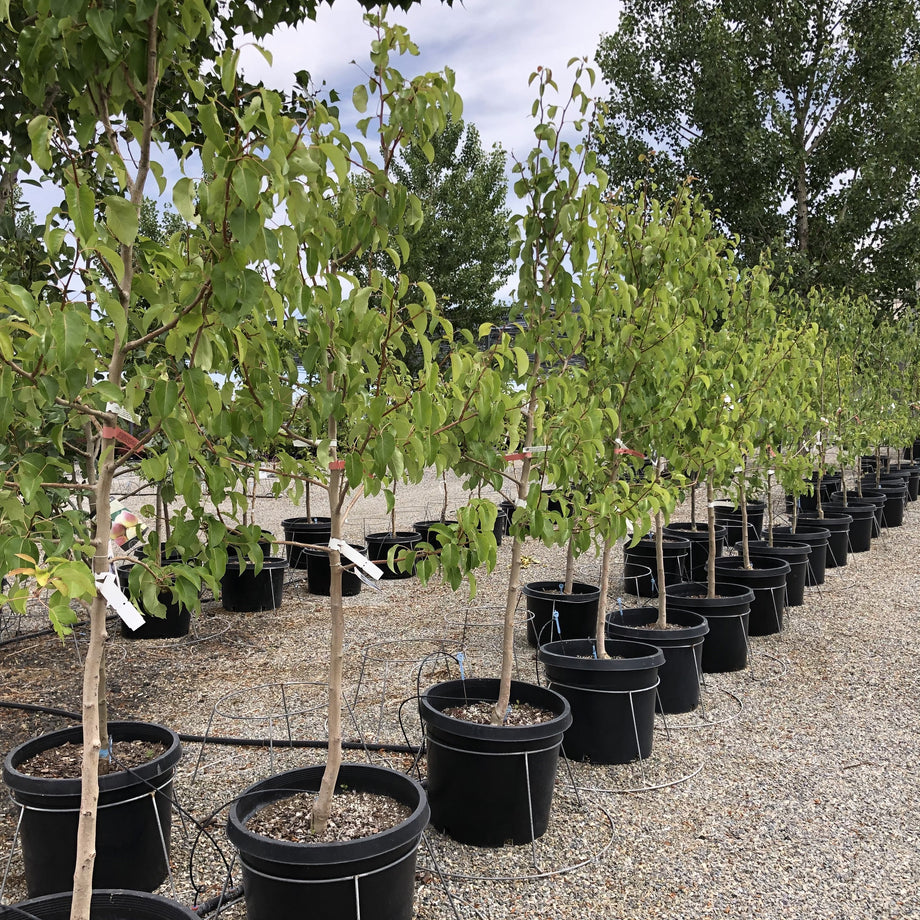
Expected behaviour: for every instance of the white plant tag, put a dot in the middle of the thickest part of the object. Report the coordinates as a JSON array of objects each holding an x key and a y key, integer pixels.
[
  {"x": 537, "y": 449},
  {"x": 108, "y": 587},
  {"x": 120, "y": 411},
  {"x": 520, "y": 503},
  {"x": 352, "y": 555}
]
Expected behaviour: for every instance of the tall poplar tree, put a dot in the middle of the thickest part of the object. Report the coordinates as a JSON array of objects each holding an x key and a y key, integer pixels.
[{"x": 800, "y": 119}]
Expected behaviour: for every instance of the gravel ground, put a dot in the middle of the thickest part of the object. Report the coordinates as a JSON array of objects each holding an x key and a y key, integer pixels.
[{"x": 791, "y": 793}]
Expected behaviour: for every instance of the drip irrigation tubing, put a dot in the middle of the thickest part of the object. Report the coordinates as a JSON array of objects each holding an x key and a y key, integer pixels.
[{"x": 236, "y": 742}]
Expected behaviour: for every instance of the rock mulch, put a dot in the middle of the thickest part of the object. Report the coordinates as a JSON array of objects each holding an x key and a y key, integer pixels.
[{"x": 791, "y": 793}]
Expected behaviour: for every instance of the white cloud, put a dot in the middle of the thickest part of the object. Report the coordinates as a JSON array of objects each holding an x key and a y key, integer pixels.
[{"x": 492, "y": 45}]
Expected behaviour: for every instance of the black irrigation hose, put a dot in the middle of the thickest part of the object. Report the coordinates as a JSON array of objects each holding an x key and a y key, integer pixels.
[
  {"x": 236, "y": 742},
  {"x": 224, "y": 899}
]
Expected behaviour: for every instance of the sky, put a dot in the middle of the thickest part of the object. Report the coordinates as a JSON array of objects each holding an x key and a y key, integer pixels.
[{"x": 492, "y": 45}]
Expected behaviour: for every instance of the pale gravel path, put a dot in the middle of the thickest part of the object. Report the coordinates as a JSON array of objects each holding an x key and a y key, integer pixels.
[{"x": 802, "y": 801}]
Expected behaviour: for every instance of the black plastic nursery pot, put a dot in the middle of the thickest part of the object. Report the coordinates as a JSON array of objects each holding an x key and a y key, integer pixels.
[
  {"x": 796, "y": 554},
  {"x": 731, "y": 517},
  {"x": 726, "y": 647},
  {"x": 380, "y": 544},
  {"x": 640, "y": 567},
  {"x": 106, "y": 904},
  {"x": 312, "y": 530},
  {"x": 176, "y": 623},
  {"x": 371, "y": 878},
  {"x": 489, "y": 785},
  {"x": 816, "y": 537},
  {"x": 425, "y": 529},
  {"x": 698, "y": 535},
  {"x": 612, "y": 699},
  {"x": 895, "y": 492},
  {"x": 508, "y": 508},
  {"x": 878, "y": 499},
  {"x": 767, "y": 579},
  {"x": 319, "y": 573},
  {"x": 243, "y": 590},
  {"x": 862, "y": 511},
  {"x": 912, "y": 472},
  {"x": 838, "y": 524},
  {"x": 134, "y": 816},
  {"x": 679, "y": 687},
  {"x": 552, "y": 614}
]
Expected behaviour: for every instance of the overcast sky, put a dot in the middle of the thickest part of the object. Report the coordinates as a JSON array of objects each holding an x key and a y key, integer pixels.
[{"x": 492, "y": 45}]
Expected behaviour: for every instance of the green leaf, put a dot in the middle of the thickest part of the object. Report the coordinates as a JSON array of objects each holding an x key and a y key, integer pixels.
[
  {"x": 184, "y": 199},
  {"x": 246, "y": 182},
  {"x": 181, "y": 121},
  {"x": 359, "y": 98},
  {"x": 245, "y": 225},
  {"x": 122, "y": 219},
  {"x": 81, "y": 204},
  {"x": 40, "y": 136}
]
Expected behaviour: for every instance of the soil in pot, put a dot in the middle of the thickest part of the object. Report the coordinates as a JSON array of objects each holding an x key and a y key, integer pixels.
[
  {"x": 380, "y": 544},
  {"x": 243, "y": 590},
  {"x": 489, "y": 785},
  {"x": 311, "y": 530},
  {"x": 682, "y": 644},
  {"x": 319, "y": 574},
  {"x": 368, "y": 877},
  {"x": 767, "y": 579},
  {"x": 726, "y": 646},
  {"x": 175, "y": 624},
  {"x": 640, "y": 566},
  {"x": 612, "y": 699},
  {"x": 552, "y": 614},
  {"x": 698, "y": 535},
  {"x": 132, "y": 824}
]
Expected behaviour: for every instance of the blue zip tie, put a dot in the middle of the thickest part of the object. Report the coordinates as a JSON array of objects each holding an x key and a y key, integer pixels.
[
  {"x": 594, "y": 650},
  {"x": 620, "y": 605},
  {"x": 654, "y": 584},
  {"x": 105, "y": 753},
  {"x": 460, "y": 662},
  {"x": 508, "y": 713},
  {"x": 556, "y": 621}
]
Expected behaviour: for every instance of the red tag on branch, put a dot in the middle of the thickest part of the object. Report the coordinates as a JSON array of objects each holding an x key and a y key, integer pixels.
[
  {"x": 626, "y": 450},
  {"x": 337, "y": 465},
  {"x": 116, "y": 434},
  {"x": 520, "y": 456}
]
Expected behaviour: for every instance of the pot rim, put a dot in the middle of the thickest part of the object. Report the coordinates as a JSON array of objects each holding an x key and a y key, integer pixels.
[
  {"x": 565, "y": 653},
  {"x": 307, "y": 779}
]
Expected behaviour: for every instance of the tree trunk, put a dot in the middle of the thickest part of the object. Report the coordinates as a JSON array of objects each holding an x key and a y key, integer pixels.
[
  {"x": 600, "y": 630},
  {"x": 659, "y": 560}
]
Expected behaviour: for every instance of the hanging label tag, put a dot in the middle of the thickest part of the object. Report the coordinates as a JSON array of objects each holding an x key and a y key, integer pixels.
[
  {"x": 352, "y": 555},
  {"x": 108, "y": 587},
  {"x": 538, "y": 450},
  {"x": 520, "y": 503}
]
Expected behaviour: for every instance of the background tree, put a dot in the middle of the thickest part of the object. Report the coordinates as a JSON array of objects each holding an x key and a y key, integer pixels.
[
  {"x": 461, "y": 247},
  {"x": 801, "y": 121}
]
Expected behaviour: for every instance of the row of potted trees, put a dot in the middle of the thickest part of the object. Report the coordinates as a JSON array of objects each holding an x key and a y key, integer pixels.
[{"x": 644, "y": 360}]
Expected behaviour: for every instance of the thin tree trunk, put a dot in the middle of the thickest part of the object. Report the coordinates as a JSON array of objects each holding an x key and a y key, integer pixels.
[
  {"x": 322, "y": 808},
  {"x": 600, "y": 627},
  {"x": 659, "y": 559},
  {"x": 711, "y": 520},
  {"x": 514, "y": 579},
  {"x": 570, "y": 565}
]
